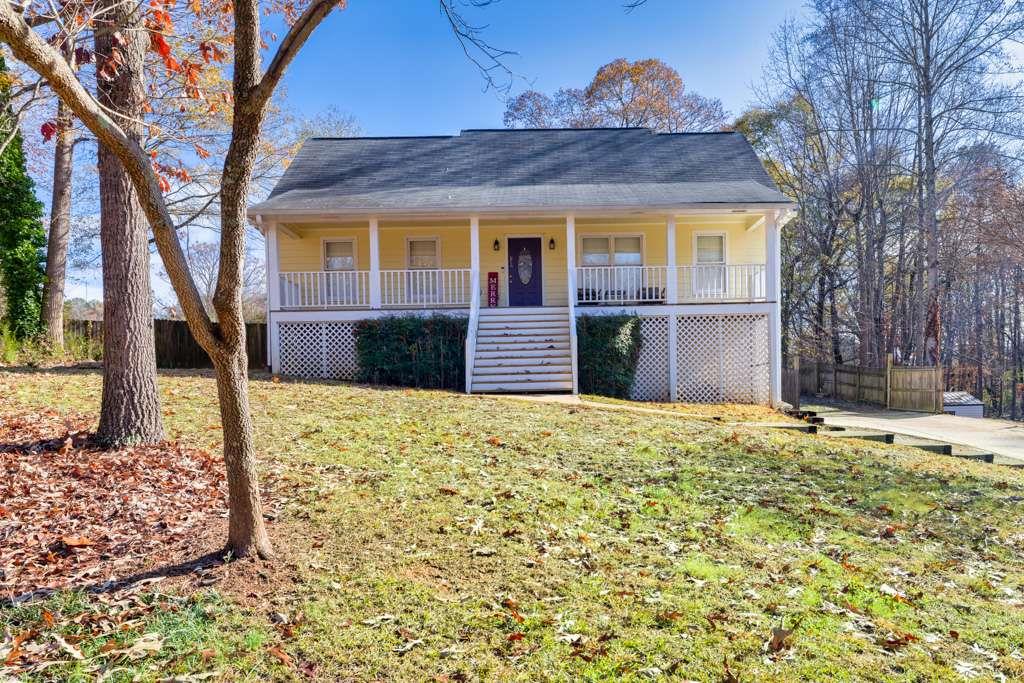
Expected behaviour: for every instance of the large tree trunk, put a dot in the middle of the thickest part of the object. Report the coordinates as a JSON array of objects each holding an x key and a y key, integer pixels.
[
  {"x": 60, "y": 228},
  {"x": 130, "y": 410}
]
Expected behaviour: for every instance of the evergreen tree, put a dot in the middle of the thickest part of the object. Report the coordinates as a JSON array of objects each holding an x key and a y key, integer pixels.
[{"x": 22, "y": 237}]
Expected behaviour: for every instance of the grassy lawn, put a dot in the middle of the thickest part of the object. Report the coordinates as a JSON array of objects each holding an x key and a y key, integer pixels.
[
  {"x": 433, "y": 536},
  {"x": 723, "y": 412}
]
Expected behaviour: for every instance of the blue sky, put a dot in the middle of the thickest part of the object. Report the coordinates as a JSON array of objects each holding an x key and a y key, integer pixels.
[{"x": 396, "y": 66}]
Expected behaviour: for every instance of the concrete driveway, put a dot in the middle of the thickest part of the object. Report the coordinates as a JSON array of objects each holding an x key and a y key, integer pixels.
[{"x": 1001, "y": 437}]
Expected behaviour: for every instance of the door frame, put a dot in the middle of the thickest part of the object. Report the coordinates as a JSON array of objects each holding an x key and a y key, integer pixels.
[{"x": 508, "y": 274}]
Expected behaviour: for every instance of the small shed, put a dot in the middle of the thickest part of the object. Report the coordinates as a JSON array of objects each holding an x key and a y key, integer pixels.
[{"x": 962, "y": 404}]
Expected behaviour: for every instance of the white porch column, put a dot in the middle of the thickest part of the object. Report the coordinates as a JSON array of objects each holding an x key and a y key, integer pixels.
[
  {"x": 570, "y": 256},
  {"x": 273, "y": 298},
  {"x": 773, "y": 292},
  {"x": 474, "y": 262},
  {"x": 374, "y": 264},
  {"x": 672, "y": 285},
  {"x": 570, "y": 260}
]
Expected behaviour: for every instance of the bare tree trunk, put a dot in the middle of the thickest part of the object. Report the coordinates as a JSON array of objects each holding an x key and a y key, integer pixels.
[
  {"x": 130, "y": 409},
  {"x": 60, "y": 228},
  {"x": 247, "y": 533}
]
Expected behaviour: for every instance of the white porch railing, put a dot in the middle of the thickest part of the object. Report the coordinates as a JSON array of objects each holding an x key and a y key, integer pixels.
[
  {"x": 426, "y": 288},
  {"x": 325, "y": 289},
  {"x": 624, "y": 285},
  {"x": 726, "y": 283},
  {"x": 621, "y": 284}
]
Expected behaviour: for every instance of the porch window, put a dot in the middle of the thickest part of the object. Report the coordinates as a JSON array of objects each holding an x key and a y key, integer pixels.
[
  {"x": 620, "y": 250},
  {"x": 623, "y": 283},
  {"x": 424, "y": 254},
  {"x": 709, "y": 277},
  {"x": 596, "y": 250},
  {"x": 710, "y": 249},
  {"x": 340, "y": 255}
]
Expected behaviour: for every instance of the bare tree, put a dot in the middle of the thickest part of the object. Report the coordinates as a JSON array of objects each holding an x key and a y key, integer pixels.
[{"x": 645, "y": 93}]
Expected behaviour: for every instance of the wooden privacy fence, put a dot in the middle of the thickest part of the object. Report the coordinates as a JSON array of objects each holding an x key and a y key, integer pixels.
[
  {"x": 175, "y": 346},
  {"x": 901, "y": 388},
  {"x": 791, "y": 386}
]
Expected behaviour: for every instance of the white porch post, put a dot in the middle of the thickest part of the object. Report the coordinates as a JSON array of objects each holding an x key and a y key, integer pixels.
[
  {"x": 273, "y": 298},
  {"x": 773, "y": 291},
  {"x": 474, "y": 261},
  {"x": 374, "y": 264},
  {"x": 570, "y": 260},
  {"x": 474, "y": 299},
  {"x": 671, "y": 290}
]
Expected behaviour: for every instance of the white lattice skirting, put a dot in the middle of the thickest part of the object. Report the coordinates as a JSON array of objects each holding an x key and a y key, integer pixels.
[
  {"x": 718, "y": 359},
  {"x": 318, "y": 349}
]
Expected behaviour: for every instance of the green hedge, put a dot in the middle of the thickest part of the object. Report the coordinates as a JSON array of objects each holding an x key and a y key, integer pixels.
[
  {"x": 608, "y": 349},
  {"x": 413, "y": 351}
]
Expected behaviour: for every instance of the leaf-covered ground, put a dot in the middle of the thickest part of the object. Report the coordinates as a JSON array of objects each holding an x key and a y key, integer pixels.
[{"x": 434, "y": 536}]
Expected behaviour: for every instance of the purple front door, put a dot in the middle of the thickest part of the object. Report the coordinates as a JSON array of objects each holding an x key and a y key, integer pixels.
[{"x": 524, "y": 272}]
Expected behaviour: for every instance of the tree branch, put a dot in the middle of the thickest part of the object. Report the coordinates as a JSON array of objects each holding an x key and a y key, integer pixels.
[
  {"x": 289, "y": 47},
  {"x": 45, "y": 60}
]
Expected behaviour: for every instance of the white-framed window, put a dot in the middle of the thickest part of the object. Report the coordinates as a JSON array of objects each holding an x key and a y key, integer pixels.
[
  {"x": 423, "y": 253},
  {"x": 340, "y": 254},
  {"x": 709, "y": 276},
  {"x": 611, "y": 250},
  {"x": 709, "y": 249}
]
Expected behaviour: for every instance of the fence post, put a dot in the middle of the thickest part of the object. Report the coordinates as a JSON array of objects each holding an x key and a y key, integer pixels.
[
  {"x": 835, "y": 380},
  {"x": 888, "y": 380},
  {"x": 860, "y": 382}
]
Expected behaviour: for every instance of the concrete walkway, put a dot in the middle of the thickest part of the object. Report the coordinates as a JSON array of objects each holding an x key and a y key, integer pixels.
[{"x": 1001, "y": 437}]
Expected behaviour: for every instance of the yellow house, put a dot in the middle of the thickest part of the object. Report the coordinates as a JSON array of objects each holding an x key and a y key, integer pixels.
[{"x": 522, "y": 231}]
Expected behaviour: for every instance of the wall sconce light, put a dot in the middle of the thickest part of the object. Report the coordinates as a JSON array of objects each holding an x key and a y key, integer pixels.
[
  {"x": 551, "y": 244},
  {"x": 496, "y": 246}
]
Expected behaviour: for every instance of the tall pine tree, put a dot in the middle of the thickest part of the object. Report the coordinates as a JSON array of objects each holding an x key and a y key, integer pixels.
[{"x": 22, "y": 237}]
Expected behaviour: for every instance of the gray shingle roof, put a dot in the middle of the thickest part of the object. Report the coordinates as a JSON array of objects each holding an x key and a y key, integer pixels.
[{"x": 521, "y": 170}]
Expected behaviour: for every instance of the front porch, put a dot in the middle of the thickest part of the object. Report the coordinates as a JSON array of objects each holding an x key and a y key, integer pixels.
[
  {"x": 688, "y": 275},
  {"x": 594, "y": 261}
]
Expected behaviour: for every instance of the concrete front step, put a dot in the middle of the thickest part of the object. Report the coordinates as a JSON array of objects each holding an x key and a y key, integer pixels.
[
  {"x": 523, "y": 371},
  {"x": 520, "y": 387}
]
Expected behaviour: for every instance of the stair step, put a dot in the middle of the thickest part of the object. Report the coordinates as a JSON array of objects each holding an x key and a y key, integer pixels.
[
  {"x": 522, "y": 324},
  {"x": 522, "y": 351},
  {"x": 508, "y": 340},
  {"x": 525, "y": 371},
  {"x": 524, "y": 377},
  {"x": 522, "y": 311},
  {"x": 528, "y": 361},
  {"x": 520, "y": 387},
  {"x": 511, "y": 331}
]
